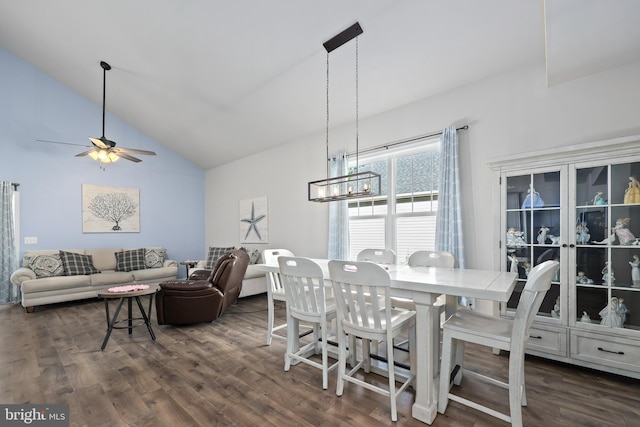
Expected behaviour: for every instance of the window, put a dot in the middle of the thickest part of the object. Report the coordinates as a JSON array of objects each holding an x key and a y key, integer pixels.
[{"x": 403, "y": 216}]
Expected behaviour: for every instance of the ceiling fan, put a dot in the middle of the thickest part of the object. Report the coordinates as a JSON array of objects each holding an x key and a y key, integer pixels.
[{"x": 104, "y": 149}]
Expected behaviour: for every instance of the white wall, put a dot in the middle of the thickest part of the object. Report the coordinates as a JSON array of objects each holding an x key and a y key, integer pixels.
[{"x": 508, "y": 114}]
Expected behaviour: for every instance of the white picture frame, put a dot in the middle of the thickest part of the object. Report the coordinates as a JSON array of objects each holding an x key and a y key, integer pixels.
[{"x": 254, "y": 223}]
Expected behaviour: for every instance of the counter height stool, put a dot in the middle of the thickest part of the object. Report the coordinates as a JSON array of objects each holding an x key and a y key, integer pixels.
[{"x": 495, "y": 332}]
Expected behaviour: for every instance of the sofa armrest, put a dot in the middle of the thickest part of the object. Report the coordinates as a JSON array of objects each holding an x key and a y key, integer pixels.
[
  {"x": 22, "y": 274},
  {"x": 170, "y": 263}
]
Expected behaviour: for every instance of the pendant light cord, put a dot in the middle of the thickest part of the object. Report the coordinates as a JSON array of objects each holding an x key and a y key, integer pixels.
[
  {"x": 357, "y": 111},
  {"x": 327, "y": 125}
]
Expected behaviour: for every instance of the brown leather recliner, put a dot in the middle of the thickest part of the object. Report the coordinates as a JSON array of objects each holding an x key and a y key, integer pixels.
[{"x": 205, "y": 295}]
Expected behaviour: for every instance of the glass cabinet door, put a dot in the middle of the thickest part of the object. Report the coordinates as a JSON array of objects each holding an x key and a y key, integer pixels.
[
  {"x": 533, "y": 232},
  {"x": 607, "y": 221}
]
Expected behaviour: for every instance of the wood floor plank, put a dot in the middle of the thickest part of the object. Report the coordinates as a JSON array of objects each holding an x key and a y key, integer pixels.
[{"x": 224, "y": 374}]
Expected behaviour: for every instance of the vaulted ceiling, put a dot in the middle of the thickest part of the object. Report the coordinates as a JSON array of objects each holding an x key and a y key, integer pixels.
[{"x": 218, "y": 80}]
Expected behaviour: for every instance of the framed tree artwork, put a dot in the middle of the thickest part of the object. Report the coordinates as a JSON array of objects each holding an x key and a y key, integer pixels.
[
  {"x": 110, "y": 209},
  {"x": 254, "y": 226}
]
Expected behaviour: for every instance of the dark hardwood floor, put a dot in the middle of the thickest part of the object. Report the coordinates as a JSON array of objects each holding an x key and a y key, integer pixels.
[{"x": 224, "y": 374}]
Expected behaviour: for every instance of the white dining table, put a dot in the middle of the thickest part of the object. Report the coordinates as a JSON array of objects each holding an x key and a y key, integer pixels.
[{"x": 423, "y": 285}]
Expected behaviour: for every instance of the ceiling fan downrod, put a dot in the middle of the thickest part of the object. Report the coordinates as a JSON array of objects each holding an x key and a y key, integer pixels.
[{"x": 105, "y": 67}]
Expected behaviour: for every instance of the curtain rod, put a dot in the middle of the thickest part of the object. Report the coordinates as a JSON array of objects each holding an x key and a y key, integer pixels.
[{"x": 404, "y": 141}]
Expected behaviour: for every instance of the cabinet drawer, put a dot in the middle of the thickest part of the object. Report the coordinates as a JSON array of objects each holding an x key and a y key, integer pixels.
[
  {"x": 548, "y": 340},
  {"x": 604, "y": 349}
]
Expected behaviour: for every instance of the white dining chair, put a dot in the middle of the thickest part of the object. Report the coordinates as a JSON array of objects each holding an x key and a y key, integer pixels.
[
  {"x": 495, "y": 332},
  {"x": 304, "y": 287},
  {"x": 379, "y": 256},
  {"x": 362, "y": 293},
  {"x": 275, "y": 291}
]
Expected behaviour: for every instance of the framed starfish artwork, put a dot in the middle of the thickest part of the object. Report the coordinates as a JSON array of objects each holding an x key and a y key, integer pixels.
[{"x": 254, "y": 224}]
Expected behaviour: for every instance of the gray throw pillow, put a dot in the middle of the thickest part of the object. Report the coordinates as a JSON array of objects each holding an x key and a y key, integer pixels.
[
  {"x": 76, "y": 264},
  {"x": 214, "y": 254},
  {"x": 45, "y": 265},
  {"x": 130, "y": 260},
  {"x": 154, "y": 257}
]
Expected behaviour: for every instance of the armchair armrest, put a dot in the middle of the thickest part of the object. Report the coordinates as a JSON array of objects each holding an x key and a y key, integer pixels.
[
  {"x": 22, "y": 274},
  {"x": 198, "y": 274},
  {"x": 185, "y": 285}
]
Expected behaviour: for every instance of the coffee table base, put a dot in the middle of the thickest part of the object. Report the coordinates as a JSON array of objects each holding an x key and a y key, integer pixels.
[{"x": 114, "y": 323}]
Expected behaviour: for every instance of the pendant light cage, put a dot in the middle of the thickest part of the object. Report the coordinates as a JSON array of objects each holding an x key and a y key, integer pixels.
[{"x": 358, "y": 184}]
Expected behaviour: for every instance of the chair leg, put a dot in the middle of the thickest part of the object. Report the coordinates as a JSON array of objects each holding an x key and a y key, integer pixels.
[
  {"x": 270, "y": 318},
  {"x": 458, "y": 353},
  {"x": 445, "y": 372},
  {"x": 325, "y": 357},
  {"x": 516, "y": 382},
  {"x": 342, "y": 361},
  {"x": 292, "y": 346},
  {"x": 392, "y": 380}
]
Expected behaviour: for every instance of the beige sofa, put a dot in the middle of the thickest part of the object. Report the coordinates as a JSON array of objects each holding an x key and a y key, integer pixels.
[{"x": 50, "y": 285}]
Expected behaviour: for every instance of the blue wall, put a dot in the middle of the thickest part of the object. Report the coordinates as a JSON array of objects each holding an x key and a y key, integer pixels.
[{"x": 34, "y": 106}]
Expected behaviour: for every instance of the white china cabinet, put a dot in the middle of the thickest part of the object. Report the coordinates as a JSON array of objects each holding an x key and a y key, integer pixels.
[{"x": 579, "y": 205}]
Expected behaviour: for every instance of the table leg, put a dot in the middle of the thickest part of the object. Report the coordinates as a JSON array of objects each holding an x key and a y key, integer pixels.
[
  {"x": 111, "y": 322},
  {"x": 147, "y": 319},
  {"x": 425, "y": 406},
  {"x": 130, "y": 319}
]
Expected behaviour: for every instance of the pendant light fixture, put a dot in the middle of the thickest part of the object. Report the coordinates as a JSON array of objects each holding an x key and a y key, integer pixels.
[{"x": 358, "y": 184}]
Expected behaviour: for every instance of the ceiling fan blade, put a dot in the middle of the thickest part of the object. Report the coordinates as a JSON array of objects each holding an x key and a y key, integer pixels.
[
  {"x": 101, "y": 142},
  {"x": 60, "y": 142},
  {"x": 133, "y": 151},
  {"x": 85, "y": 153},
  {"x": 128, "y": 157}
]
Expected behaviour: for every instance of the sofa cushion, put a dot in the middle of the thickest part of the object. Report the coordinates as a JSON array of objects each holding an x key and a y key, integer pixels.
[
  {"x": 155, "y": 274},
  {"x": 215, "y": 254},
  {"x": 45, "y": 265},
  {"x": 75, "y": 264},
  {"x": 112, "y": 278},
  {"x": 154, "y": 257},
  {"x": 130, "y": 260}
]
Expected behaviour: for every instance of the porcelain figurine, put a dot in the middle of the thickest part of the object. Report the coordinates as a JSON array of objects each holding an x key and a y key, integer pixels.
[
  {"x": 527, "y": 268},
  {"x": 515, "y": 237},
  {"x": 555, "y": 240},
  {"x": 555, "y": 313},
  {"x": 514, "y": 264},
  {"x": 542, "y": 234},
  {"x": 608, "y": 241},
  {"x": 625, "y": 237},
  {"x": 585, "y": 318},
  {"x": 582, "y": 234},
  {"x": 607, "y": 274},
  {"x": 632, "y": 193},
  {"x": 611, "y": 314},
  {"x": 582, "y": 279},
  {"x": 635, "y": 271},
  {"x": 598, "y": 200}
]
